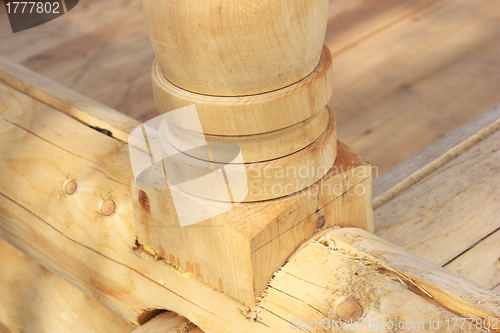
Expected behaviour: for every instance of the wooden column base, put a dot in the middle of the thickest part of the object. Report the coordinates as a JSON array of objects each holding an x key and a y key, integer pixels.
[{"x": 238, "y": 251}]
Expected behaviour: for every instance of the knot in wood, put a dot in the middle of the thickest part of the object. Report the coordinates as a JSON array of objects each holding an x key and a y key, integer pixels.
[
  {"x": 349, "y": 311},
  {"x": 320, "y": 222}
]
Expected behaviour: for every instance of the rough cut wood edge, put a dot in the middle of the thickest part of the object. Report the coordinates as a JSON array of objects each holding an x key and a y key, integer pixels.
[
  {"x": 66, "y": 100},
  {"x": 34, "y": 300},
  {"x": 349, "y": 263},
  {"x": 237, "y": 251},
  {"x": 168, "y": 322},
  {"x": 432, "y": 282},
  {"x": 424, "y": 163}
]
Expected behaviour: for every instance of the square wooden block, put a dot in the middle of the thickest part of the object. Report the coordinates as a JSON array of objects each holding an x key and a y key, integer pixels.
[{"x": 238, "y": 251}]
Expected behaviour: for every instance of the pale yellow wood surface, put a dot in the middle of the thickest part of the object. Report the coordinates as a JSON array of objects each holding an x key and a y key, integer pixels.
[
  {"x": 34, "y": 300},
  {"x": 389, "y": 283},
  {"x": 254, "y": 148},
  {"x": 4, "y": 329},
  {"x": 62, "y": 98},
  {"x": 451, "y": 209},
  {"x": 264, "y": 180},
  {"x": 251, "y": 114},
  {"x": 487, "y": 273},
  {"x": 448, "y": 210},
  {"x": 237, "y": 48},
  {"x": 413, "y": 72},
  {"x": 34, "y": 142},
  {"x": 237, "y": 252},
  {"x": 435, "y": 156}
]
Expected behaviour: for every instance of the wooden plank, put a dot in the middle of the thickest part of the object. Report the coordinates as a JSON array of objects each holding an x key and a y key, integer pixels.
[
  {"x": 497, "y": 289},
  {"x": 435, "y": 70},
  {"x": 410, "y": 172},
  {"x": 487, "y": 253},
  {"x": 271, "y": 236},
  {"x": 430, "y": 281},
  {"x": 64, "y": 99},
  {"x": 450, "y": 210},
  {"x": 354, "y": 260},
  {"x": 32, "y": 299},
  {"x": 33, "y": 46},
  {"x": 271, "y": 312},
  {"x": 90, "y": 56},
  {"x": 352, "y": 22}
]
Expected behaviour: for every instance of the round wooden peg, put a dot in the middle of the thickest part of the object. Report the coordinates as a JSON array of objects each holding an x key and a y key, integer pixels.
[
  {"x": 108, "y": 207},
  {"x": 349, "y": 311},
  {"x": 70, "y": 187}
]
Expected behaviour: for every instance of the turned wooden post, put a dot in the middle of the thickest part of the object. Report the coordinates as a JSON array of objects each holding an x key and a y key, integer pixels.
[{"x": 259, "y": 78}]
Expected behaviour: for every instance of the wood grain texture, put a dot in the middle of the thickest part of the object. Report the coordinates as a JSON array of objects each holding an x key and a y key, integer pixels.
[
  {"x": 470, "y": 66},
  {"x": 487, "y": 273},
  {"x": 445, "y": 201},
  {"x": 236, "y": 48},
  {"x": 254, "y": 148},
  {"x": 430, "y": 281},
  {"x": 307, "y": 268},
  {"x": 4, "y": 329},
  {"x": 430, "y": 71},
  {"x": 34, "y": 142},
  {"x": 454, "y": 207},
  {"x": 34, "y": 300},
  {"x": 237, "y": 251},
  {"x": 435, "y": 156},
  {"x": 64, "y": 99},
  {"x": 265, "y": 180},
  {"x": 251, "y": 114}
]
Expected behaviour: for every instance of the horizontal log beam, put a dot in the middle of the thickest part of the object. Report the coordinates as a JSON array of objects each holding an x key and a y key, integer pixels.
[{"x": 33, "y": 299}]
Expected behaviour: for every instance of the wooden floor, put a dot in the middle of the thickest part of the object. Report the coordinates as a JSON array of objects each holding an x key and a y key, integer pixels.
[{"x": 407, "y": 71}]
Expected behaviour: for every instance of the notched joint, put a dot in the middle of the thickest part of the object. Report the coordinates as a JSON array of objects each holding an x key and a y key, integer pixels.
[{"x": 102, "y": 130}]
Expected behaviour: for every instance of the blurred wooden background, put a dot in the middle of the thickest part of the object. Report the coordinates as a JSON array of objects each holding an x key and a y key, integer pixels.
[{"x": 407, "y": 71}]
